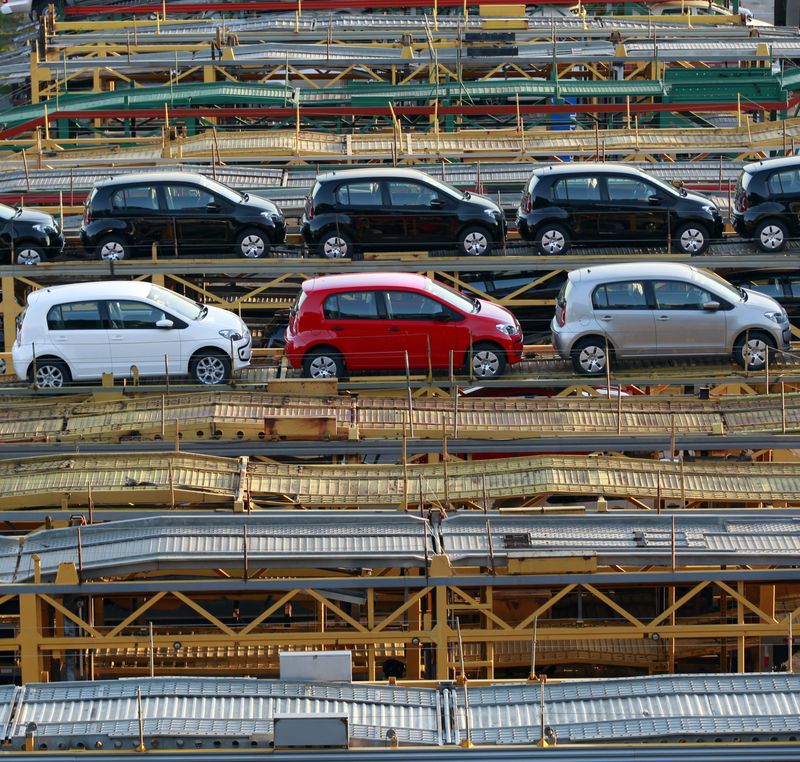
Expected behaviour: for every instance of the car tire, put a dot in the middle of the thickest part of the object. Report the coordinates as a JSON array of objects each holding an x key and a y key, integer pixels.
[
  {"x": 50, "y": 374},
  {"x": 28, "y": 254},
  {"x": 487, "y": 361},
  {"x": 759, "y": 343},
  {"x": 252, "y": 244},
  {"x": 474, "y": 241},
  {"x": 323, "y": 363},
  {"x": 692, "y": 238},
  {"x": 553, "y": 240},
  {"x": 209, "y": 367},
  {"x": 771, "y": 235},
  {"x": 335, "y": 245},
  {"x": 113, "y": 248},
  {"x": 589, "y": 356}
]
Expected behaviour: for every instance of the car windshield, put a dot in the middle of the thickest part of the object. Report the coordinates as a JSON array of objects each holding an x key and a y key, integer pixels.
[
  {"x": 177, "y": 303},
  {"x": 451, "y": 190},
  {"x": 223, "y": 190},
  {"x": 719, "y": 282},
  {"x": 661, "y": 184},
  {"x": 451, "y": 296}
]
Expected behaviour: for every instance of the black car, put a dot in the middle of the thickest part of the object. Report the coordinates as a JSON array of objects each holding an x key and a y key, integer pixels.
[
  {"x": 126, "y": 215},
  {"x": 766, "y": 206},
  {"x": 612, "y": 205},
  {"x": 782, "y": 284},
  {"x": 28, "y": 237},
  {"x": 397, "y": 209}
]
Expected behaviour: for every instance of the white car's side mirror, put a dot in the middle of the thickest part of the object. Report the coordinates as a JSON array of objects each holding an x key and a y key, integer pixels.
[{"x": 164, "y": 323}]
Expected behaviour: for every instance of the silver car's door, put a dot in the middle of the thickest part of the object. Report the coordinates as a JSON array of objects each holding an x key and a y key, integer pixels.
[{"x": 624, "y": 314}]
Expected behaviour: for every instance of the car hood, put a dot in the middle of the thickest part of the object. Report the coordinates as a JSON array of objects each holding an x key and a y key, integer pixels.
[
  {"x": 496, "y": 313},
  {"x": 762, "y": 302},
  {"x": 698, "y": 198},
  {"x": 35, "y": 218},
  {"x": 220, "y": 319},
  {"x": 261, "y": 204},
  {"x": 483, "y": 202}
]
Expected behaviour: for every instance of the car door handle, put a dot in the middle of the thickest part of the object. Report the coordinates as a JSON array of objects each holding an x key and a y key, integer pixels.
[
  {"x": 337, "y": 328},
  {"x": 663, "y": 318},
  {"x": 606, "y": 317},
  {"x": 392, "y": 330},
  {"x": 117, "y": 337}
]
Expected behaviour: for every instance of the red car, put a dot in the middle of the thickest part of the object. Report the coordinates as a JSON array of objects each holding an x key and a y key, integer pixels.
[{"x": 371, "y": 321}]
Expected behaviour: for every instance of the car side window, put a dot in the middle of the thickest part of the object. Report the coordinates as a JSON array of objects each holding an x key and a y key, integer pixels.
[
  {"x": 352, "y": 305},
  {"x": 75, "y": 316},
  {"x": 578, "y": 188},
  {"x": 679, "y": 295},
  {"x": 625, "y": 295},
  {"x": 629, "y": 189},
  {"x": 126, "y": 315},
  {"x": 784, "y": 182},
  {"x": 135, "y": 197},
  {"x": 187, "y": 197},
  {"x": 367, "y": 193},
  {"x": 408, "y": 305},
  {"x": 403, "y": 193}
]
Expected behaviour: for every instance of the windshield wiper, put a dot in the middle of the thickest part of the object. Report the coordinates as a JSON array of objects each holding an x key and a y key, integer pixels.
[{"x": 203, "y": 312}]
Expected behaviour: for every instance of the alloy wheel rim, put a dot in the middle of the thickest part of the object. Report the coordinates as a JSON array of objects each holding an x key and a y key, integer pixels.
[
  {"x": 692, "y": 240},
  {"x": 323, "y": 367},
  {"x": 49, "y": 377},
  {"x": 771, "y": 237},
  {"x": 485, "y": 364},
  {"x": 475, "y": 244},
  {"x": 335, "y": 248},
  {"x": 253, "y": 246},
  {"x": 553, "y": 241},
  {"x": 112, "y": 250},
  {"x": 755, "y": 353},
  {"x": 210, "y": 370},
  {"x": 28, "y": 257},
  {"x": 592, "y": 359}
]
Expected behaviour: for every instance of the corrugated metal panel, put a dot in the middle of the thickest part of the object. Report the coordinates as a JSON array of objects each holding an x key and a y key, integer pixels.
[{"x": 198, "y": 708}]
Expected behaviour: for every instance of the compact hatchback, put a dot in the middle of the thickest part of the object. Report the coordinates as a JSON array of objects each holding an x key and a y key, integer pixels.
[
  {"x": 124, "y": 216},
  {"x": 397, "y": 209},
  {"x": 766, "y": 205},
  {"x": 82, "y": 330},
  {"x": 612, "y": 205},
  {"x": 654, "y": 309},
  {"x": 28, "y": 236},
  {"x": 380, "y": 321}
]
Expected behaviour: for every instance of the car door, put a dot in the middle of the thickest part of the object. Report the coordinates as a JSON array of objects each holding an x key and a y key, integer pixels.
[
  {"x": 424, "y": 327},
  {"x": 421, "y": 215},
  {"x": 684, "y": 324},
  {"x": 624, "y": 313},
  {"x": 137, "y": 340},
  {"x": 633, "y": 211},
  {"x": 353, "y": 319},
  {"x": 580, "y": 197},
  {"x": 362, "y": 203},
  {"x": 202, "y": 221},
  {"x": 146, "y": 220},
  {"x": 784, "y": 192},
  {"x": 79, "y": 334}
]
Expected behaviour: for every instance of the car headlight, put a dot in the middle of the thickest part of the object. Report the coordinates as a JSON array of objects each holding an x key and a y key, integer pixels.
[
  {"x": 271, "y": 216},
  {"x": 778, "y": 317},
  {"x": 231, "y": 334},
  {"x": 43, "y": 228},
  {"x": 710, "y": 209},
  {"x": 492, "y": 213},
  {"x": 507, "y": 328}
]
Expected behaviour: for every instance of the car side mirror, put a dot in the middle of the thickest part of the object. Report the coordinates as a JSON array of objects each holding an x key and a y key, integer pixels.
[
  {"x": 164, "y": 323},
  {"x": 436, "y": 203},
  {"x": 654, "y": 200},
  {"x": 212, "y": 207},
  {"x": 711, "y": 306}
]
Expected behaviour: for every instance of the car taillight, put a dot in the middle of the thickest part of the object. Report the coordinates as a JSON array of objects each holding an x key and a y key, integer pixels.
[
  {"x": 86, "y": 214},
  {"x": 527, "y": 203},
  {"x": 743, "y": 202},
  {"x": 309, "y": 209},
  {"x": 562, "y": 314}
]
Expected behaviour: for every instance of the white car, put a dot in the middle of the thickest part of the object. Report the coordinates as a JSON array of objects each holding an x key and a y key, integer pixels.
[{"x": 82, "y": 330}]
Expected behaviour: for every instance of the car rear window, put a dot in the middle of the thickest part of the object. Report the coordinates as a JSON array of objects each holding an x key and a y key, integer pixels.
[
  {"x": 135, "y": 197},
  {"x": 624, "y": 295},
  {"x": 353, "y": 305},
  {"x": 367, "y": 193},
  {"x": 577, "y": 189}
]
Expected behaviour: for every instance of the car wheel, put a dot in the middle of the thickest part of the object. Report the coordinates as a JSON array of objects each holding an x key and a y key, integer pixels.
[
  {"x": 474, "y": 242},
  {"x": 29, "y": 254},
  {"x": 487, "y": 360},
  {"x": 772, "y": 235},
  {"x": 50, "y": 374},
  {"x": 751, "y": 348},
  {"x": 335, "y": 245},
  {"x": 589, "y": 356},
  {"x": 113, "y": 248},
  {"x": 210, "y": 368},
  {"x": 252, "y": 244},
  {"x": 692, "y": 238},
  {"x": 552, "y": 240},
  {"x": 323, "y": 363}
]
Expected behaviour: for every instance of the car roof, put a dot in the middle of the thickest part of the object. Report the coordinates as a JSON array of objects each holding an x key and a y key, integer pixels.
[
  {"x": 352, "y": 281},
  {"x": 632, "y": 270},
  {"x": 373, "y": 173},
  {"x": 587, "y": 168},
  {"x": 109, "y": 289},
  {"x": 769, "y": 164},
  {"x": 153, "y": 177}
]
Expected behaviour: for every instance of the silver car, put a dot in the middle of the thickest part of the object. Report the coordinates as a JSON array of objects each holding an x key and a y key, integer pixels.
[{"x": 655, "y": 309}]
